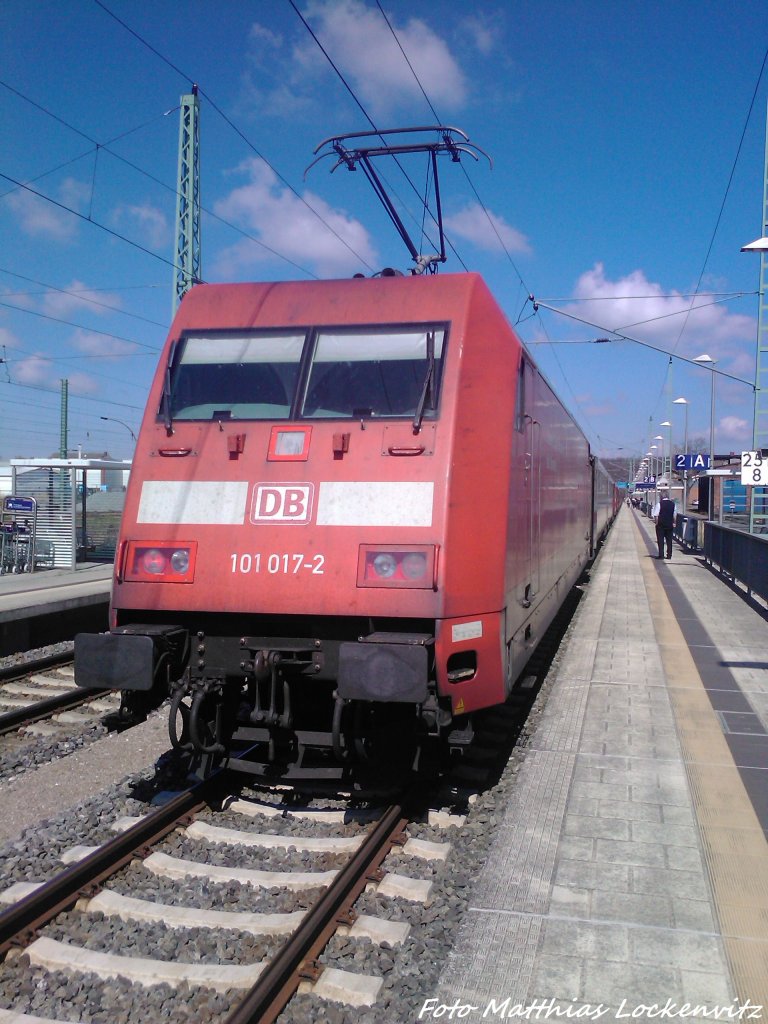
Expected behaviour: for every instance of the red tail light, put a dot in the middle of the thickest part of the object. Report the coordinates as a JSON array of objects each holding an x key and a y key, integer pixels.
[
  {"x": 161, "y": 561},
  {"x": 389, "y": 565}
]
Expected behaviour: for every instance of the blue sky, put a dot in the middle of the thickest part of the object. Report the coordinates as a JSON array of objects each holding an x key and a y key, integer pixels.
[{"x": 613, "y": 128}]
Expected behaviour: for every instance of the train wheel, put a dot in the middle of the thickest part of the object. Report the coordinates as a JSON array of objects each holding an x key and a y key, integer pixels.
[{"x": 385, "y": 735}]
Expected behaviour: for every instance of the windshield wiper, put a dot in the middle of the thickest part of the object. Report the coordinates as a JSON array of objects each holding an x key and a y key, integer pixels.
[
  {"x": 427, "y": 391},
  {"x": 166, "y": 400}
]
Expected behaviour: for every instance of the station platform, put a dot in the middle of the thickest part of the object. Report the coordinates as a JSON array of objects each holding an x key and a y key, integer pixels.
[
  {"x": 629, "y": 876},
  {"x": 35, "y": 607}
]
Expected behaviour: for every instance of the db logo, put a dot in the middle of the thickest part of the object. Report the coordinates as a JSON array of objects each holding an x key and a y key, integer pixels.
[{"x": 282, "y": 503}]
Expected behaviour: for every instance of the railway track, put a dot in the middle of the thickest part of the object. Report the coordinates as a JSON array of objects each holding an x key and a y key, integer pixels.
[
  {"x": 48, "y": 706},
  {"x": 39, "y": 687},
  {"x": 204, "y": 855},
  {"x": 44, "y": 716},
  {"x": 293, "y": 964},
  {"x": 13, "y": 669}
]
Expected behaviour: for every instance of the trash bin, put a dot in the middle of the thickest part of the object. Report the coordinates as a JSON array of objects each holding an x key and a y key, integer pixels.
[{"x": 690, "y": 533}]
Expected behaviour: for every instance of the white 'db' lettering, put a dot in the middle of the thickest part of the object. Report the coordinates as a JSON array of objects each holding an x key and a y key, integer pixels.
[{"x": 282, "y": 503}]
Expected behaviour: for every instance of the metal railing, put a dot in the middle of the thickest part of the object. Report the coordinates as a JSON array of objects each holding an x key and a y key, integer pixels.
[
  {"x": 689, "y": 530},
  {"x": 742, "y": 556}
]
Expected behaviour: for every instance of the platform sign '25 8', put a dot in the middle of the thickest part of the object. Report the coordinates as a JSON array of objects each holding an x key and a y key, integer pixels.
[{"x": 754, "y": 469}]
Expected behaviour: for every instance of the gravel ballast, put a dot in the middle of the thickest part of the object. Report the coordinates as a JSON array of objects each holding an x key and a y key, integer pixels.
[{"x": 125, "y": 767}]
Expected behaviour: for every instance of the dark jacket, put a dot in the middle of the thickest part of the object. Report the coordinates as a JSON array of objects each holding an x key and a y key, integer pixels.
[{"x": 666, "y": 516}]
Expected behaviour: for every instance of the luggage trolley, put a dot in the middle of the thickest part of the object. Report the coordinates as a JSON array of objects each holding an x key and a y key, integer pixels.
[{"x": 17, "y": 534}]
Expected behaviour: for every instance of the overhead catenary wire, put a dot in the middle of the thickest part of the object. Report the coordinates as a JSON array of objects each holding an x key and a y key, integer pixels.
[
  {"x": 710, "y": 246},
  {"x": 437, "y": 118},
  {"x": 105, "y": 147},
  {"x": 263, "y": 139},
  {"x": 620, "y": 336},
  {"x": 81, "y": 398},
  {"x": 81, "y": 327},
  {"x": 485, "y": 210},
  {"x": 209, "y": 99},
  {"x": 655, "y": 295},
  {"x": 368, "y": 118},
  {"x": 719, "y": 297},
  {"x": 89, "y": 220},
  {"x": 727, "y": 187},
  {"x": 82, "y": 134},
  {"x": 36, "y": 358},
  {"x": 677, "y": 312},
  {"x": 83, "y": 295}
]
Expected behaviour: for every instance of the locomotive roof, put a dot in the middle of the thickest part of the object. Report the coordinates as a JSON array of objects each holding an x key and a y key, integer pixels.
[{"x": 356, "y": 300}]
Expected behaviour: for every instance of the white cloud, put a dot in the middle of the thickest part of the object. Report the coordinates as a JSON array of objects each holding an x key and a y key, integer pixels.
[
  {"x": 39, "y": 370},
  {"x": 76, "y": 297},
  {"x": 262, "y": 35},
  {"x": 8, "y": 339},
  {"x": 598, "y": 409},
  {"x": 472, "y": 224},
  {"x": 481, "y": 32},
  {"x": 82, "y": 384},
  {"x": 75, "y": 194},
  {"x": 734, "y": 428},
  {"x": 643, "y": 309},
  {"x": 274, "y": 215},
  {"x": 359, "y": 41},
  {"x": 39, "y": 218},
  {"x": 33, "y": 370},
  {"x": 99, "y": 345},
  {"x": 148, "y": 224}
]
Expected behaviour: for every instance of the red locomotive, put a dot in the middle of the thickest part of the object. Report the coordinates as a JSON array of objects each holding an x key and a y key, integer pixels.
[{"x": 354, "y": 508}]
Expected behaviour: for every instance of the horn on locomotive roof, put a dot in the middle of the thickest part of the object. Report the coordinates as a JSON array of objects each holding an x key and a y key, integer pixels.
[{"x": 451, "y": 140}]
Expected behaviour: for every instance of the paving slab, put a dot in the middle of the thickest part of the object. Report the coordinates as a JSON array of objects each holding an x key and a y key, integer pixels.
[{"x": 616, "y": 874}]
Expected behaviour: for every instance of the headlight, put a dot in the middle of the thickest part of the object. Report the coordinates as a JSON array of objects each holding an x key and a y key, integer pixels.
[
  {"x": 384, "y": 565},
  {"x": 388, "y": 565},
  {"x": 180, "y": 560},
  {"x": 154, "y": 561},
  {"x": 159, "y": 561},
  {"x": 414, "y": 565}
]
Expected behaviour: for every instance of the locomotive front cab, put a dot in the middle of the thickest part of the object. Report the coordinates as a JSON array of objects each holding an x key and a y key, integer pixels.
[{"x": 278, "y": 569}]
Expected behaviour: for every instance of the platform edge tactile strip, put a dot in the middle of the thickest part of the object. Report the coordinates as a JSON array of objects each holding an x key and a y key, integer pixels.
[{"x": 732, "y": 841}]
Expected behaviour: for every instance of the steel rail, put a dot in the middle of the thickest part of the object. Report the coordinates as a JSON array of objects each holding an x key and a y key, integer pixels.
[
  {"x": 11, "y": 720},
  {"x": 23, "y": 668},
  {"x": 280, "y": 979},
  {"x": 19, "y": 922}
]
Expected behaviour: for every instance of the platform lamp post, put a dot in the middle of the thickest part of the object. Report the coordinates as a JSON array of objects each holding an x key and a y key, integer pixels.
[
  {"x": 759, "y": 428},
  {"x": 684, "y": 402},
  {"x": 112, "y": 419},
  {"x": 655, "y": 471},
  {"x": 647, "y": 465},
  {"x": 663, "y": 457},
  {"x": 668, "y": 424},
  {"x": 707, "y": 360}
]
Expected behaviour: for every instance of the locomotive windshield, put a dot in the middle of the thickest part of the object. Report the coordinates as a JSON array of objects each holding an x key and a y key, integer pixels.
[
  {"x": 371, "y": 372},
  {"x": 314, "y": 374},
  {"x": 239, "y": 377}
]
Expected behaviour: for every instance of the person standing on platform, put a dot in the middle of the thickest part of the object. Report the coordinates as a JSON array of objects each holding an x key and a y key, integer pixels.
[{"x": 664, "y": 517}]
